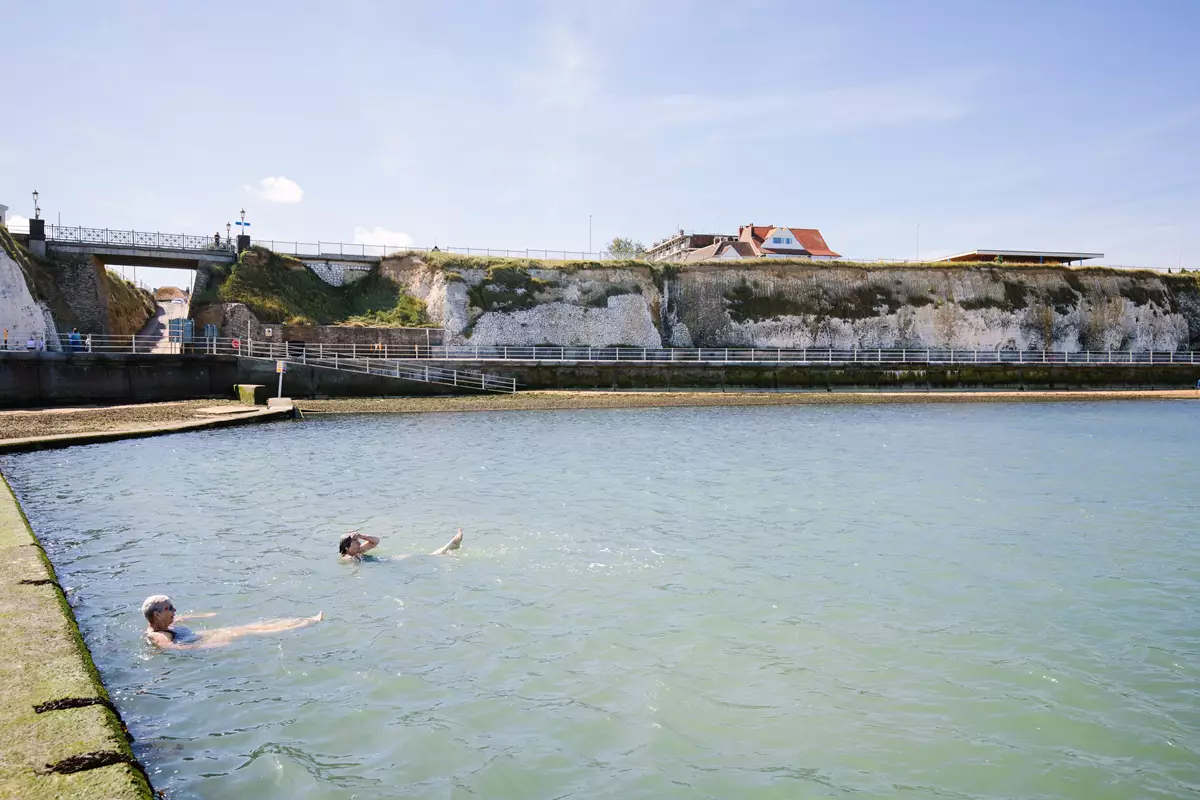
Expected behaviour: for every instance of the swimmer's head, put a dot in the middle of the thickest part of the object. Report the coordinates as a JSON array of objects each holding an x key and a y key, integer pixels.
[
  {"x": 344, "y": 544},
  {"x": 156, "y": 604}
]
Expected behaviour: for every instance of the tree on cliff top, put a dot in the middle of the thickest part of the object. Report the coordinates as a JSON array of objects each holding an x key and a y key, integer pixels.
[{"x": 626, "y": 248}]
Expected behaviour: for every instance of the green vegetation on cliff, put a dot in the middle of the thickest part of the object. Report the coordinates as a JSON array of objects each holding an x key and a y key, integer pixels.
[
  {"x": 128, "y": 306},
  {"x": 282, "y": 290}
]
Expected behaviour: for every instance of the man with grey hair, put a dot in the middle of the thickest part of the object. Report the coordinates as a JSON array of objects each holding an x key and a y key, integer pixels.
[{"x": 159, "y": 611}]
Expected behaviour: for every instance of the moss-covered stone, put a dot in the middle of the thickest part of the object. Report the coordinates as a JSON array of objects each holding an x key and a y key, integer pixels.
[{"x": 43, "y": 658}]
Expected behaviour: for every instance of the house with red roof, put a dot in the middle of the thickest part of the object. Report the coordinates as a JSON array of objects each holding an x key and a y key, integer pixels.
[
  {"x": 752, "y": 241},
  {"x": 769, "y": 241}
]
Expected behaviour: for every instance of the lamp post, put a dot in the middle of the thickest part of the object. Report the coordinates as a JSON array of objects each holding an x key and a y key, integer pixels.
[
  {"x": 589, "y": 233},
  {"x": 228, "y": 230},
  {"x": 918, "y": 241},
  {"x": 37, "y": 212}
]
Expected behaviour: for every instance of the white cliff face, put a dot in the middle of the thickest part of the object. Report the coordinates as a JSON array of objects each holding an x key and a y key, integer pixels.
[
  {"x": 802, "y": 306},
  {"x": 967, "y": 308},
  {"x": 625, "y": 319},
  {"x": 20, "y": 314}
]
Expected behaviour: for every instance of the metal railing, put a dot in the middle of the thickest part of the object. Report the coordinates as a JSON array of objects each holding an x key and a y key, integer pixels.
[
  {"x": 181, "y": 241},
  {"x": 317, "y": 353},
  {"x": 368, "y": 365},
  {"x": 383, "y": 361},
  {"x": 358, "y": 249},
  {"x": 774, "y": 355},
  {"x": 142, "y": 239}
]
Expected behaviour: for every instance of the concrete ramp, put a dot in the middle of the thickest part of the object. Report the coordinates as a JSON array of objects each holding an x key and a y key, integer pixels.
[{"x": 156, "y": 332}]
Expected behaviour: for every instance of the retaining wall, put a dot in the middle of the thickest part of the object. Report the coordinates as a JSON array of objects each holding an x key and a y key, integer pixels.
[
  {"x": 60, "y": 736},
  {"x": 48, "y": 379},
  {"x": 30, "y": 380}
]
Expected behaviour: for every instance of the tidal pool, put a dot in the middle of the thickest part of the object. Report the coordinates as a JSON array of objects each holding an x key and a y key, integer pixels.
[{"x": 968, "y": 601}]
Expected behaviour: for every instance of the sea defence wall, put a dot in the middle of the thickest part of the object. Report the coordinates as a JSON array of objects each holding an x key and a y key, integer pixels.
[
  {"x": 764, "y": 303},
  {"x": 30, "y": 380},
  {"x": 33, "y": 380},
  {"x": 60, "y": 736},
  {"x": 532, "y": 375}
]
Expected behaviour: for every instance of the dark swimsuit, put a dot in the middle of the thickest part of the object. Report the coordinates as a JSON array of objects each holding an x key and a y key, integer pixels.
[{"x": 182, "y": 635}]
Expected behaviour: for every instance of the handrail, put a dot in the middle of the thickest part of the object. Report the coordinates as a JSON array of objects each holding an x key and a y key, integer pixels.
[
  {"x": 64, "y": 234},
  {"x": 379, "y": 352}
]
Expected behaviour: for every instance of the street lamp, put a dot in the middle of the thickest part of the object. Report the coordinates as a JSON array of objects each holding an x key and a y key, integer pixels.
[
  {"x": 228, "y": 227},
  {"x": 37, "y": 212}
]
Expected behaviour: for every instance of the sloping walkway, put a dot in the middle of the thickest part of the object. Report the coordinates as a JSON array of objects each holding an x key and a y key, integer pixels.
[{"x": 157, "y": 330}]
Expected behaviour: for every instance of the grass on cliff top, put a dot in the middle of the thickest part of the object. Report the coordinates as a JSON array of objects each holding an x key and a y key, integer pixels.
[
  {"x": 129, "y": 307},
  {"x": 453, "y": 262},
  {"x": 282, "y": 290}
]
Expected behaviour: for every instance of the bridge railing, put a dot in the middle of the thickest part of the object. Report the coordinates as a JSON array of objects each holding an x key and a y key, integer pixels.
[{"x": 143, "y": 239}]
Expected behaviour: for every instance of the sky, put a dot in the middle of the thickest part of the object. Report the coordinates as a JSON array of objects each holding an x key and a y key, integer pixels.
[{"x": 894, "y": 128}]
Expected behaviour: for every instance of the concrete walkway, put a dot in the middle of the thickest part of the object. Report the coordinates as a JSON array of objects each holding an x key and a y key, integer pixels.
[
  {"x": 59, "y": 734},
  {"x": 159, "y": 326},
  {"x": 218, "y": 417}
]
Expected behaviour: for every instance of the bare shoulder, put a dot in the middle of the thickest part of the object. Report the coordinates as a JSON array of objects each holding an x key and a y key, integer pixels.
[{"x": 159, "y": 638}]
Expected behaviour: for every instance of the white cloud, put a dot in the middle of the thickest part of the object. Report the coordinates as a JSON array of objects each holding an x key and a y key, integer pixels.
[
  {"x": 277, "y": 190},
  {"x": 17, "y": 223},
  {"x": 382, "y": 236}
]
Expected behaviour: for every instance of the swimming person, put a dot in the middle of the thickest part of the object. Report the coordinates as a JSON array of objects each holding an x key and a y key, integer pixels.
[
  {"x": 159, "y": 612},
  {"x": 354, "y": 544}
]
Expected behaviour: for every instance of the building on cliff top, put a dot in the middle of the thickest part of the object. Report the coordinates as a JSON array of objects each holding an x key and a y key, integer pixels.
[
  {"x": 1023, "y": 256},
  {"x": 751, "y": 241}
]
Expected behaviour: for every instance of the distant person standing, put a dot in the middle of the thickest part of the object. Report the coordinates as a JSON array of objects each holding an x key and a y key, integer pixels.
[
  {"x": 217, "y": 239},
  {"x": 88, "y": 343},
  {"x": 75, "y": 340},
  {"x": 31, "y": 345}
]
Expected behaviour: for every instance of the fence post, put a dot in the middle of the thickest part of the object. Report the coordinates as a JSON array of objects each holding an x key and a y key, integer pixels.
[{"x": 133, "y": 342}]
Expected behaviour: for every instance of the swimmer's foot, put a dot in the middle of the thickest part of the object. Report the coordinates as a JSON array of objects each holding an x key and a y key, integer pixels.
[
  {"x": 453, "y": 544},
  {"x": 320, "y": 616}
]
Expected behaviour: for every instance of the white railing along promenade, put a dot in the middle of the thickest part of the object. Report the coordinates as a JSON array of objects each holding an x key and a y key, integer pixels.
[
  {"x": 310, "y": 352},
  {"x": 385, "y": 362}
]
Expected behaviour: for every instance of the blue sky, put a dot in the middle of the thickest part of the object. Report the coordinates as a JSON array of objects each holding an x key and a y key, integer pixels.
[{"x": 1040, "y": 125}]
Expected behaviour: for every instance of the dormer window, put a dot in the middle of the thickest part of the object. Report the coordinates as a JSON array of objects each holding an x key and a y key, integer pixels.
[{"x": 777, "y": 240}]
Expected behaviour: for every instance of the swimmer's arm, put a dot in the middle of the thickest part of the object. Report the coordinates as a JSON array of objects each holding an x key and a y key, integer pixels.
[
  {"x": 368, "y": 542},
  {"x": 205, "y": 615}
]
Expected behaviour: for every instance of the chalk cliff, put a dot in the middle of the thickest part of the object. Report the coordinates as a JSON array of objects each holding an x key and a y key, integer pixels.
[
  {"x": 766, "y": 304},
  {"x": 21, "y": 315}
]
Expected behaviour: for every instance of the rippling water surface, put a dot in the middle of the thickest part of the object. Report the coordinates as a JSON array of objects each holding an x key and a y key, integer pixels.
[{"x": 977, "y": 601}]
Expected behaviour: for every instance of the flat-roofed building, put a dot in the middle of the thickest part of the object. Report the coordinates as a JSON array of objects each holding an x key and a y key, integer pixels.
[
  {"x": 677, "y": 247},
  {"x": 1023, "y": 256}
]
